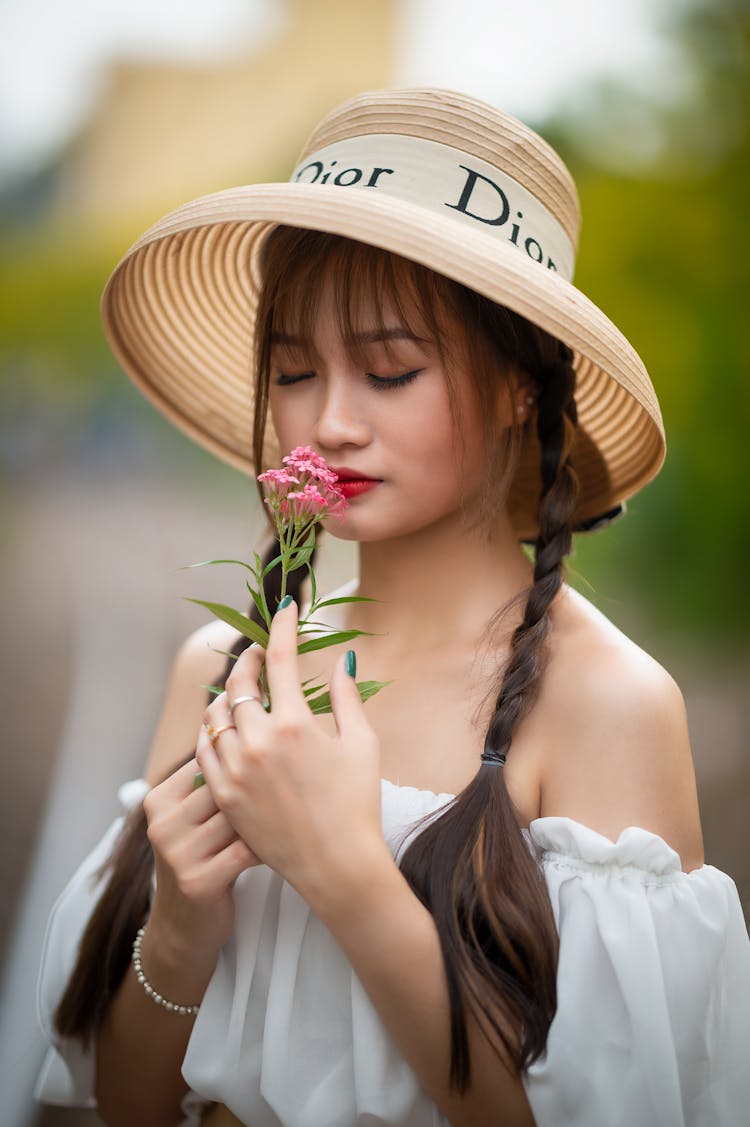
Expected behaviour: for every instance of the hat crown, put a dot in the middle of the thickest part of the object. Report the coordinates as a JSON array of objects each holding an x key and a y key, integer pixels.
[
  {"x": 441, "y": 178},
  {"x": 462, "y": 122}
]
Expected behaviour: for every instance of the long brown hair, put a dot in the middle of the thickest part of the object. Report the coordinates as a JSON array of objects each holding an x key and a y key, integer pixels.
[
  {"x": 107, "y": 942},
  {"x": 470, "y": 865}
]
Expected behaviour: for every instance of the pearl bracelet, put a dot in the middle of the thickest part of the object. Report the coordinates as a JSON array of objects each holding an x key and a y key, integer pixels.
[{"x": 154, "y": 995}]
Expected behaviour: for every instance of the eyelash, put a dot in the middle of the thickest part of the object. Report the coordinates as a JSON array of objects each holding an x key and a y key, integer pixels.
[{"x": 376, "y": 382}]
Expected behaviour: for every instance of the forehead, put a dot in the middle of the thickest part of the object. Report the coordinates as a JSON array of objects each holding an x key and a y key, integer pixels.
[
  {"x": 361, "y": 304},
  {"x": 373, "y": 287}
]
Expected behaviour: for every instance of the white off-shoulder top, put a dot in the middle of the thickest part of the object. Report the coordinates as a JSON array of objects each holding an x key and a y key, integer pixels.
[{"x": 653, "y": 1020}]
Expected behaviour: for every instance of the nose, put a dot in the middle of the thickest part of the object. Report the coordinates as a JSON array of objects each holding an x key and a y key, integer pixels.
[{"x": 341, "y": 420}]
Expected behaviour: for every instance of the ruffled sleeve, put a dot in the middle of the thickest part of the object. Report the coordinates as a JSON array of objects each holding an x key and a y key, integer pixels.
[
  {"x": 67, "y": 1076},
  {"x": 653, "y": 1021}
]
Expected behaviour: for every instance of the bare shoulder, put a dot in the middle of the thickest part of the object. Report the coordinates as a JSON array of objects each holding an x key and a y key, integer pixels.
[
  {"x": 621, "y": 753},
  {"x": 198, "y": 663}
]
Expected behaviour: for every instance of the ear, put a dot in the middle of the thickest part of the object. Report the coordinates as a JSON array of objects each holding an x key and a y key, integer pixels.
[{"x": 515, "y": 397}]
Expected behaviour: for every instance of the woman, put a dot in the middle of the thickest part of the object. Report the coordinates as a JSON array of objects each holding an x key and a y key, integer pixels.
[{"x": 480, "y": 897}]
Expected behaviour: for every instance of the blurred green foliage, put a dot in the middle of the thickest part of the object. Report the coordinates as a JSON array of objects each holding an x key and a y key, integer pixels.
[
  {"x": 49, "y": 314},
  {"x": 664, "y": 251}
]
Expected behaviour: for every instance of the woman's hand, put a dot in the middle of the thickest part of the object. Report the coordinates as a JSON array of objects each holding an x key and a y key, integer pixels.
[
  {"x": 198, "y": 857},
  {"x": 306, "y": 803}
]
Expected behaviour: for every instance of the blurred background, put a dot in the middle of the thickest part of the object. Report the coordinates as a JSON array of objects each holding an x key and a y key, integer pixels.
[{"x": 110, "y": 115}]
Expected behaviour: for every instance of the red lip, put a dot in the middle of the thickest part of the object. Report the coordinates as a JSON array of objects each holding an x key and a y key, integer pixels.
[
  {"x": 354, "y": 488},
  {"x": 345, "y": 474}
]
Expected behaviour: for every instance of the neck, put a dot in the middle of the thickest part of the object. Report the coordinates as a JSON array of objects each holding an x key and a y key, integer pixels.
[{"x": 435, "y": 584}]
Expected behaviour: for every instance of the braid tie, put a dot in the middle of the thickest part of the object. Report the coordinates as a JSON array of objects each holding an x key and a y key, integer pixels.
[{"x": 557, "y": 418}]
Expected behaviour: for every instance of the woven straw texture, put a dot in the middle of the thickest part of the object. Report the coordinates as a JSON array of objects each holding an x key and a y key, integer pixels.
[{"x": 179, "y": 308}]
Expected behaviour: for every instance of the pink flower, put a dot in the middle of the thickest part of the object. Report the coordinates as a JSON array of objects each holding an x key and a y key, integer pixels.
[
  {"x": 304, "y": 503},
  {"x": 279, "y": 477},
  {"x": 304, "y": 460},
  {"x": 277, "y": 483},
  {"x": 304, "y": 492}
]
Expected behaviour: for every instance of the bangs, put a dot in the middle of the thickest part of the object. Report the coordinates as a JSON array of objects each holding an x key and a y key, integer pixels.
[
  {"x": 371, "y": 291},
  {"x": 374, "y": 291}
]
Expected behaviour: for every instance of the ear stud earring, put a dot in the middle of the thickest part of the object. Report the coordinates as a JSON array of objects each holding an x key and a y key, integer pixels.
[{"x": 520, "y": 407}]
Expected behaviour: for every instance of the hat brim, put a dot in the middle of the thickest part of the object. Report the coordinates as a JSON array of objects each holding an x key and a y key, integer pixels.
[{"x": 179, "y": 312}]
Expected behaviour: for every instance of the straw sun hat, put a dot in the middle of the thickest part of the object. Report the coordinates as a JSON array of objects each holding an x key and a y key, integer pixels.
[{"x": 434, "y": 176}]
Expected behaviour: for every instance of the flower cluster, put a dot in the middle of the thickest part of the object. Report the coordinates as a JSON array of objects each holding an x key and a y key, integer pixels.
[
  {"x": 303, "y": 492},
  {"x": 299, "y": 494}
]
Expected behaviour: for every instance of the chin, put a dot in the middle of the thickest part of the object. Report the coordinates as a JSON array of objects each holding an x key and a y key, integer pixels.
[{"x": 368, "y": 529}]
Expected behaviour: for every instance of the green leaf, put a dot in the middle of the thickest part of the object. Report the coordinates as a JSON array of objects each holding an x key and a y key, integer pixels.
[
  {"x": 260, "y": 602},
  {"x": 215, "y": 689},
  {"x": 234, "y": 618},
  {"x": 271, "y": 565},
  {"x": 315, "y": 628},
  {"x": 313, "y": 689},
  {"x": 299, "y": 557},
  {"x": 204, "y": 563},
  {"x": 224, "y": 653},
  {"x": 313, "y": 587},
  {"x": 320, "y": 705},
  {"x": 347, "y": 599},
  {"x": 328, "y": 640},
  {"x": 367, "y": 689}
]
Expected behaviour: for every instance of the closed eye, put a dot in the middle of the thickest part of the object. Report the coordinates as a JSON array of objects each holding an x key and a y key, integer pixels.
[
  {"x": 383, "y": 382},
  {"x": 286, "y": 380}
]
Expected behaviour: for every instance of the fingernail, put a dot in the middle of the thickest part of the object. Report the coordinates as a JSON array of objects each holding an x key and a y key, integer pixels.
[
  {"x": 351, "y": 663},
  {"x": 284, "y": 603}
]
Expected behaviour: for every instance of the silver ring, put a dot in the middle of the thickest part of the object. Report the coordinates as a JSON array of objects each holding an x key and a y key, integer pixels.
[{"x": 241, "y": 700}]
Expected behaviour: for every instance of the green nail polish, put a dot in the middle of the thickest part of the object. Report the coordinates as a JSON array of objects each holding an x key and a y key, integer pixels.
[
  {"x": 284, "y": 603},
  {"x": 351, "y": 663},
  {"x": 198, "y": 781}
]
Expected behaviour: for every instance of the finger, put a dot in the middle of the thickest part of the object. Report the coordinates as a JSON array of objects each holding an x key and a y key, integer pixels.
[
  {"x": 180, "y": 785},
  {"x": 174, "y": 806},
  {"x": 282, "y": 662},
  {"x": 220, "y": 701},
  {"x": 244, "y": 681},
  {"x": 216, "y": 713},
  {"x": 214, "y": 835},
  {"x": 346, "y": 703},
  {"x": 221, "y": 732},
  {"x": 227, "y": 865},
  {"x": 208, "y": 761}
]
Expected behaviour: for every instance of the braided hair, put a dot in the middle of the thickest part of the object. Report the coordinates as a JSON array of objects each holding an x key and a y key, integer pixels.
[{"x": 494, "y": 916}]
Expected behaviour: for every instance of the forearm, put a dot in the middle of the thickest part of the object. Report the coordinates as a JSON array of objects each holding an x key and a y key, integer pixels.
[
  {"x": 393, "y": 945},
  {"x": 141, "y": 1045}
]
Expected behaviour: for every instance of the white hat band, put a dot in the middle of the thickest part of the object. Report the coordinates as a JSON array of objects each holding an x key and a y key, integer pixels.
[{"x": 447, "y": 181}]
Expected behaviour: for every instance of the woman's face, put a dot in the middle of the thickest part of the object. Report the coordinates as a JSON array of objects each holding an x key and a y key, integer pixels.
[{"x": 386, "y": 416}]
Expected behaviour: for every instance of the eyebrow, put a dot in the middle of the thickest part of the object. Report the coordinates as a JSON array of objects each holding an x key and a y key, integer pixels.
[{"x": 376, "y": 336}]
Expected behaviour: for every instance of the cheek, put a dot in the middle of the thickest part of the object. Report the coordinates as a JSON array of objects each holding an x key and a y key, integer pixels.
[
  {"x": 445, "y": 448},
  {"x": 287, "y": 419}
]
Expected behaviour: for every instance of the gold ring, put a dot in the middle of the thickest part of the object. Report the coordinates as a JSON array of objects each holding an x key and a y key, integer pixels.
[{"x": 214, "y": 733}]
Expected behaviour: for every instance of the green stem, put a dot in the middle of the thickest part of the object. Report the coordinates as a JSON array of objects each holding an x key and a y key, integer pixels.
[
  {"x": 283, "y": 550},
  {"x": 263, "y": 682}
]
